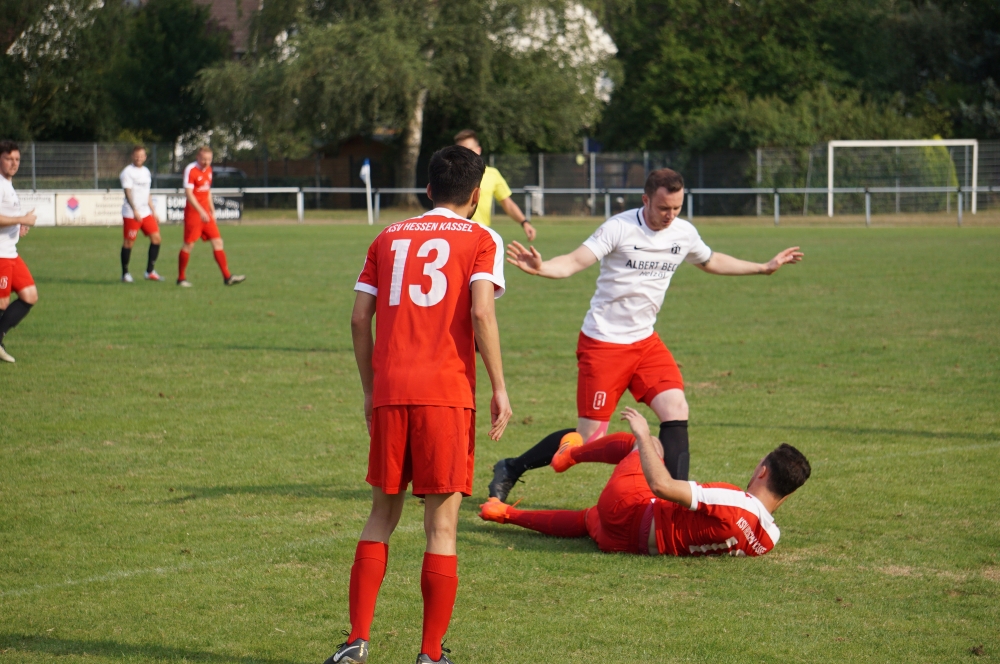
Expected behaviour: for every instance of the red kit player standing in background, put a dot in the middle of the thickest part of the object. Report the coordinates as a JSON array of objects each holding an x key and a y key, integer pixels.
[
  {"x": 429, "y": 283},
  {"x": 199, "y": 218}
]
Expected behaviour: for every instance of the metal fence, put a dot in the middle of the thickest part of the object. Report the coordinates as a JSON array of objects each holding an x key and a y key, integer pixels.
[{"x": 764, "y": 182}]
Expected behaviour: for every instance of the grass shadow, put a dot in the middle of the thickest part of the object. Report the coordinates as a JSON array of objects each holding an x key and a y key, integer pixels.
[
  {"x": 49, "y": 645},
  {"x": 860, "y": 431},
  {"x": 279, "y": 490}
]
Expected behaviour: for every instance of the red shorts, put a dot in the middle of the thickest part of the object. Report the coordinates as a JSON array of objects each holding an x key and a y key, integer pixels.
[
  {"x": 434, "y": 446},
  {"x": 606, "y": 370},
  {"x": 616, "y": 522},
  {"x": 14, "y": 276},
  {"x": 147, "y": 225},
  {"x": 195, "y": 228}
]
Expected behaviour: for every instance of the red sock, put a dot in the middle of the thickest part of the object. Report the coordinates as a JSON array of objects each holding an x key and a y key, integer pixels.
[
  {"x": 557, "y": 523},
  {"x": 366, "y": 578},
  {"x": 182, "y": 264},
  {"x": 439, "y": 584},
  {"x": 609, "y": 449},
  {"x": 220, "y": 258}
]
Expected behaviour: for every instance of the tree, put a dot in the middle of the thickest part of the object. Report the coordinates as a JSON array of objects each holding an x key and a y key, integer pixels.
[
  {"x": 166, "y": 43},
  {"x": 524, "y": 73}
]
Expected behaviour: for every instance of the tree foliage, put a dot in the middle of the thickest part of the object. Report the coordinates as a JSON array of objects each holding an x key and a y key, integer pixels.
[
  {"x": 788, "y": 72},
  {"x": 90, "y": 70}
]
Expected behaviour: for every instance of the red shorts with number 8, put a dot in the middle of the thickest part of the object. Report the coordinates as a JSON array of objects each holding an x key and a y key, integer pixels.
[
  {"x": 434, "y": 446},
  {"x": 645, "y": 368},
  {"x": 14, "y": 276}
]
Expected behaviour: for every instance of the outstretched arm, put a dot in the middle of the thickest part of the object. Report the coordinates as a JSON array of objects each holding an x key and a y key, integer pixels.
[
  {"x": 364, "y": 347},
  {"x": 560, "y": 267},
  {"x": 484, "y": 322},
  {"x": 728, "y": 266},
  {"x": 651, "y": 456}
]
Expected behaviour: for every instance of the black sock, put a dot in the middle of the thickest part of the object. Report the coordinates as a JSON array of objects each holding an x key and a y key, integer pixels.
[
  {"x": 154, "y": 253},
  {"x": 540, "y": 455},
  {"x": 674, "y": 438},
  {"x": 126, "y": 257},
  {"x": 15, "y": 313}
]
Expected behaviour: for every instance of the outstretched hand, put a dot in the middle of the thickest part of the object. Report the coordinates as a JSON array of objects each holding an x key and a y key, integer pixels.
[
  {"x": 637, "y": 422},
  {"x": 790, "y": 256},
  {"x": 529, "y": 260}
]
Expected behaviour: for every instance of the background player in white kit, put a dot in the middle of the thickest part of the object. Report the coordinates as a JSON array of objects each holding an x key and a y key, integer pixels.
[
  {"x": 618, "y": 348},
  {"x": 14, "y": 274},
  {"x": 138, "y": 214}
]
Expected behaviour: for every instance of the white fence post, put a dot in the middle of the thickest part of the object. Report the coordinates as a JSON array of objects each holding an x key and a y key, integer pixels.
[
  {"x": 378, "y": 204},
  {"x": 541, "y": 184},
  {"x": 759, "y": 175},
  {"x": 829, "y": 179},
  {"x": 607, "y": 205},
  {"x": 300, "y": 205},
  {"x": 960, "y": 206},
  {"x": 690, "y": 197},
  {"x": 34, "y": 186},
  {"x": 975, "y": 174},
  {"x": 593, "y": 183},
  {"x": 777, "y": 207},
  {"x": 868, "y": 207}
]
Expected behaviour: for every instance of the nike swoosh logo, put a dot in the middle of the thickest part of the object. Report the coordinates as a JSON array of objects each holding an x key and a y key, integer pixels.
[
  {"x": 342, "y": 655},
  {"x": 638, "y": 248}
]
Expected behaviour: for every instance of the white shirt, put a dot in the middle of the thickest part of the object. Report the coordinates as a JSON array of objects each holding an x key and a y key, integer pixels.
[
  {"x": 10, "y": 206},
  {"x": 139, "y": 181},
  {"x": 636, "y": 267}
]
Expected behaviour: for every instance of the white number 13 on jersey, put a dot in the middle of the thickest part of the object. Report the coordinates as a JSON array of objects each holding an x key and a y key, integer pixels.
[{"x": 439, "y": 282}]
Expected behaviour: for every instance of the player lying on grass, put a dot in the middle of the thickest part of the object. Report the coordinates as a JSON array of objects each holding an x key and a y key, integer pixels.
[
  {"x": 429, "y": 283},
  {"x": 618, "y": 349},
  {"x": 643, "y": 510}
]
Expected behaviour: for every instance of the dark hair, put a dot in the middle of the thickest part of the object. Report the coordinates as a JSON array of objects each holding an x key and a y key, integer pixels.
[
  {"x": 136, "y": 148},
  {"x": 454, "y": 172},
  {"x": 667, "y": 178},
  {"x": 788, "y": 470},
  {"x": 466, "y": 134},
  {"x": 8, "y": 146}
]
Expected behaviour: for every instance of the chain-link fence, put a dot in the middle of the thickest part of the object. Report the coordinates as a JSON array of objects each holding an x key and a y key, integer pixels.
[{"x": 572, "y": 184}]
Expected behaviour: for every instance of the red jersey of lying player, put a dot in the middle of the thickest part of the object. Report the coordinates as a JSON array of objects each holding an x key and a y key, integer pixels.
[{"x": 643, "y": 510}]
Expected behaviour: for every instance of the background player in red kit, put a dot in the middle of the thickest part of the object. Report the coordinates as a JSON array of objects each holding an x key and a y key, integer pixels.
[
  {"x": 429, "y": 283},
  {"x": 644, "y": 510},
  {"x": 199, "y": 218}
]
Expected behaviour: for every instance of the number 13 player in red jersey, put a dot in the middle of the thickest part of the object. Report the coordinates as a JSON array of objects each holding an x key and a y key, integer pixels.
[
  {"x": 643, "y": 510},
  {"x": 429, "y": 283},
  {"x": 199, "y": 218}
]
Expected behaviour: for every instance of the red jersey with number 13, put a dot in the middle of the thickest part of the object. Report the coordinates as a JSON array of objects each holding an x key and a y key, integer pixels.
[{"x": 420, "y": 272}]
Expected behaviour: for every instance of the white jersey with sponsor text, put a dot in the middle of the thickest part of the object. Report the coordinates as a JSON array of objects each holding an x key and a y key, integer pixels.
[
  {"x": 636, "y": 267},
  {"x": 139, "y": 180},
  {"x": 10, "y": 206}
]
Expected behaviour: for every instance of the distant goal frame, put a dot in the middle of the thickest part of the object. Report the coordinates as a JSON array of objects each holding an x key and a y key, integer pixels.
[{"x": 900, "y": 143}]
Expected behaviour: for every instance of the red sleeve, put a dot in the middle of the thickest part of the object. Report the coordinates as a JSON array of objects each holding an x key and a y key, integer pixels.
[
  {"x": 489, "y": 261},
  {"x": 368, "y": 279}
]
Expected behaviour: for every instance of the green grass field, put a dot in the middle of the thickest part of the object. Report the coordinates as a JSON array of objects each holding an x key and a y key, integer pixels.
[{"x": 182, "y": 472}]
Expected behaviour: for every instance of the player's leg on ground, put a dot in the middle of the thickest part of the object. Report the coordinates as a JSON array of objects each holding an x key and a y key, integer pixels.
[
  {"x": 15, "y": 311},
  {"x": 556, "y": 523},
  {"x": 370, "y": 560},
  {"x": 220, "y": 257},
  {"x": 672, "y": 408},
  {"x": 439, "y": 575}
]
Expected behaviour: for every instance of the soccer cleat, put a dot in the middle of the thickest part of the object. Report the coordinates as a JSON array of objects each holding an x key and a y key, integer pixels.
[
  {"x": 5, "y": 356},
  {"x": 184, "y": 283},
  {"x": 355, "y": 652},
  {"x": 235, "y": 279},
  {"x": 425, "y": 659},
  {"x": 563, "y": 460},
  {"x": 153, "y": 276},
  {"x": 494, "y": 510},
  {"x": 127, "y": 278},
  {"x": 503, "y": 480}
]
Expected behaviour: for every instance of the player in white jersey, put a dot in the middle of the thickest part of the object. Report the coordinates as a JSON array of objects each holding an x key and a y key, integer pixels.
[
  {"x": 14, "y": 274},
  {"x": 138, "y": 214},
  {"x": 618, "y": 349}
]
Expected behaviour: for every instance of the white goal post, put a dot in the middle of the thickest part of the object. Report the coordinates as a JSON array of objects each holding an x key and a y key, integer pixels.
[{"x": 919, "y": 143}]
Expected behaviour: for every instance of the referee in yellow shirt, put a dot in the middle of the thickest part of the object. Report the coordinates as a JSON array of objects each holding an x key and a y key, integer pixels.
[{"x": 493, "y": 186}]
